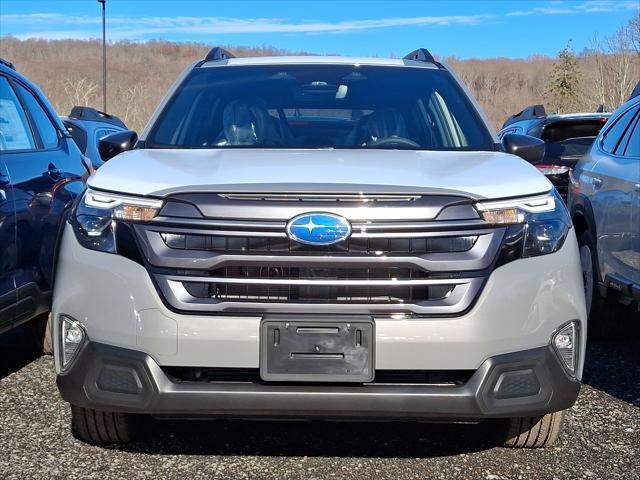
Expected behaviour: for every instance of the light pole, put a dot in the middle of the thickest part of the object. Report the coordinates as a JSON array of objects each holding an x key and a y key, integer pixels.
[{"x": 104, "y": 57}]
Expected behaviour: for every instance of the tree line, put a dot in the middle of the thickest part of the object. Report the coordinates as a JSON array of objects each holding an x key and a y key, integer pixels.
[{"x": 139, "y": 73}]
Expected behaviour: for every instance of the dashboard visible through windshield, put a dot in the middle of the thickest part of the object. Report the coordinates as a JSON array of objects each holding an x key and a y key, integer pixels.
[{"x": 320, "y": 106}]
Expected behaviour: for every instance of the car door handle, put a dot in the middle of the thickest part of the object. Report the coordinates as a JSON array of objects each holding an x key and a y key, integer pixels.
[
  {"x": 597, "y": 183},
  {"x": 4, "y": 181},
  {"x": 54, "y": 172}
]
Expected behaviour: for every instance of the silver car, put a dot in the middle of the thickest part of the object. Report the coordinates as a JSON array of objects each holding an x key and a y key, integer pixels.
[
  {"x": 319, "y": 237},
  {"x": 604, "y": 201}
]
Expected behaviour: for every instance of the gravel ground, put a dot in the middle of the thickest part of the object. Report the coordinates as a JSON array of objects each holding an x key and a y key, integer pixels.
[{"x": 601, "y": 438}]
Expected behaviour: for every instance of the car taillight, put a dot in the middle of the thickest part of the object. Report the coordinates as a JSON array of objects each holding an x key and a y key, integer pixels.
[{"x": 552, "y": 169}]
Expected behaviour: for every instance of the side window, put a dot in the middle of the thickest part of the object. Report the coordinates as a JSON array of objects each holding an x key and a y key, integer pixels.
[
  {"x": 633, "y": 145},
  {"x": 78, "y": 134},
  {"x": 613, "y": 134},
  {"x": 15, "y": 133},
  {"x": 48, "y": 133},
  {"x": 446, "y": 125}
]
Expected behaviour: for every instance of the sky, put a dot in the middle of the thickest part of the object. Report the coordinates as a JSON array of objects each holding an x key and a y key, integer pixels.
[{"x": 462, "y": 28}]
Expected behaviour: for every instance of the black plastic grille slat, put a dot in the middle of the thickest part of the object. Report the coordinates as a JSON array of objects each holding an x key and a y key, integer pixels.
[
  {"x": 352, "y": 246},
  {"x": 252, "y": 375},
  {"x": 284, "y": 272},
  {"x": 319, "y": 294}
]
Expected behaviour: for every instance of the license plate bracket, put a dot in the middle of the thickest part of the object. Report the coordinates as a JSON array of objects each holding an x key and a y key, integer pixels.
[{"x": 317, "y": 351}]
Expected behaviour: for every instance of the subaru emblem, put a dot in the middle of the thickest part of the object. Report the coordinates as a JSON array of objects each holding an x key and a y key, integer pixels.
[{"x": 318, "y": 228}]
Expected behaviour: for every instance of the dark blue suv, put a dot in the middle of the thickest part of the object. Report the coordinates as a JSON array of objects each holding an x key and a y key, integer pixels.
[{"x": 41, "y": 172}]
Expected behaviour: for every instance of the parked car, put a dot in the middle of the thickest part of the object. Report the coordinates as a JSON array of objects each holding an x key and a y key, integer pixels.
[
  {"x": 87, "y": 126},
  {"x": 319, "y": 237},
  {"x": 604, "y": 201},
  {"x": 567, "y": 138},
  {"x": 41, "y": 173}
]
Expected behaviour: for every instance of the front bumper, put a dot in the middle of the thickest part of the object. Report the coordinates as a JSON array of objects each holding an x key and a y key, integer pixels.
[
  {"x": 521, "y": 305},
  {"x": 529, "y": 382}
]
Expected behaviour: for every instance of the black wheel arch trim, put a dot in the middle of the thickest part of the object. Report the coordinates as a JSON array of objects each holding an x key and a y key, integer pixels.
[{"x": 581, "y": 205}]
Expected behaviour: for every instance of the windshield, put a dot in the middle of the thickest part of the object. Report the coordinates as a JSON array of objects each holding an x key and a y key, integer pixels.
[{"x": 320, "y": 106}]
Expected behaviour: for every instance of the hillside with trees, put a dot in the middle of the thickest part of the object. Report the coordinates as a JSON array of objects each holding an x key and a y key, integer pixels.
[{"x": 69, "y": 72}]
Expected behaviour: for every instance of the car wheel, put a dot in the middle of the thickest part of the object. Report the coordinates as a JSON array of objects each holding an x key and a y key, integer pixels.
[
  {"x": 33, "y": 334},
  {"x": 95, "y": 426},
  {"x": 533, "y": 432},
  {"x": 604, "y": 319},
  {"x": 47, "y": 344},
  {"x": 589, "y": 266}
]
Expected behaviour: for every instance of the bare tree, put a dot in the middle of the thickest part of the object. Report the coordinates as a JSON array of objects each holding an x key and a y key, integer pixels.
[
  {"x": 634, "y": 32},
  {"x": 80, "y": 91},
  {"x": 615, "y": 65}
]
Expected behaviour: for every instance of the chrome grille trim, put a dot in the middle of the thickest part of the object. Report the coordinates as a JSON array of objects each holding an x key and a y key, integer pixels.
[
  {"x": 319, "y": 197},
  {"x": 479, "y": 257},
  {"x": 256, "y": 228},
  {"x": 233, "y": 233},
  {"x": 291, "y": 281},
  {"x": 461, "y": 296},
  {"x": 246, "y": 226}
]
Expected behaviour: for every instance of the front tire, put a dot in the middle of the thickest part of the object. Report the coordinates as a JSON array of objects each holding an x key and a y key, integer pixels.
[
  {"x": 589, "y": 266},
  {"x": 34, "y": 333},
  {"x": 95, "y": 426},
  {"x": 533, "y": 432},
  {"x": 47, "y": 344}
]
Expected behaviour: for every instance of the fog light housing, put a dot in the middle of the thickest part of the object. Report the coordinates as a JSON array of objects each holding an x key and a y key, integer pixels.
[
  {"x": 565, "y": 343},
  {"x": 72, "y": 336}
]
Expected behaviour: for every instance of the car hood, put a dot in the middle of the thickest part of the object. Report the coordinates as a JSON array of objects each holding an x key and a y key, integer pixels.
[{"x": 162, "y": 172}]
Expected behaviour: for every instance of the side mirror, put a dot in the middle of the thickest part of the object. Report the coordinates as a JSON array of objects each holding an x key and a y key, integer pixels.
[
  {"x": 116, "y": 143},
  {"x": 524, "y": 146}
]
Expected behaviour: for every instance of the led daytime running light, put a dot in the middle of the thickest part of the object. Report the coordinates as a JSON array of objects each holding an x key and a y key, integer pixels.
[
  {"x": 124, "y": 207},
  {"x": 514, "y": 211}
]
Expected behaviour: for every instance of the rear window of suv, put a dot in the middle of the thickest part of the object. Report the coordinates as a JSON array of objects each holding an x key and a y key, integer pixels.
[{"x": 320, "y": 106}]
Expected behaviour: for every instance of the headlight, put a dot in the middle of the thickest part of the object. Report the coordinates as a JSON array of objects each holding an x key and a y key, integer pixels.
[
  {"x": 96, "y": 215},
  {"x": 543, "y": 221}
]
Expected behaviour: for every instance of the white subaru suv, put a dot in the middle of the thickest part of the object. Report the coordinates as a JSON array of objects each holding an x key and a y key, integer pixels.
[{"x": 319, "y": 237}]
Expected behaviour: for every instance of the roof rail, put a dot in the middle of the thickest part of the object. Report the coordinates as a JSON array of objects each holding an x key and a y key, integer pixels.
[
  {"x": 600, "y": 108},
  {"x": 636, "y": 91},
  {"x": 420, "y": 55},
  {"x": 7, "y": 63},
  {"x": 90, "y": 113},
  {"x": 530, "y": 112},
  {"x": 218, "y": 53}
]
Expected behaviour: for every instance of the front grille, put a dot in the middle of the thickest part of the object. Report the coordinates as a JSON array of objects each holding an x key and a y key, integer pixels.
[
  {"x": 230, "y": 254},
  {"x": 252, "y": 375},
  {"x": 352, "y": 246}
]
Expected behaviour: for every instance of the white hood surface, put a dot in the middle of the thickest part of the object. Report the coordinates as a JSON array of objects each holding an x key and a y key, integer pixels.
[{"x": 162, "y": 172}]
